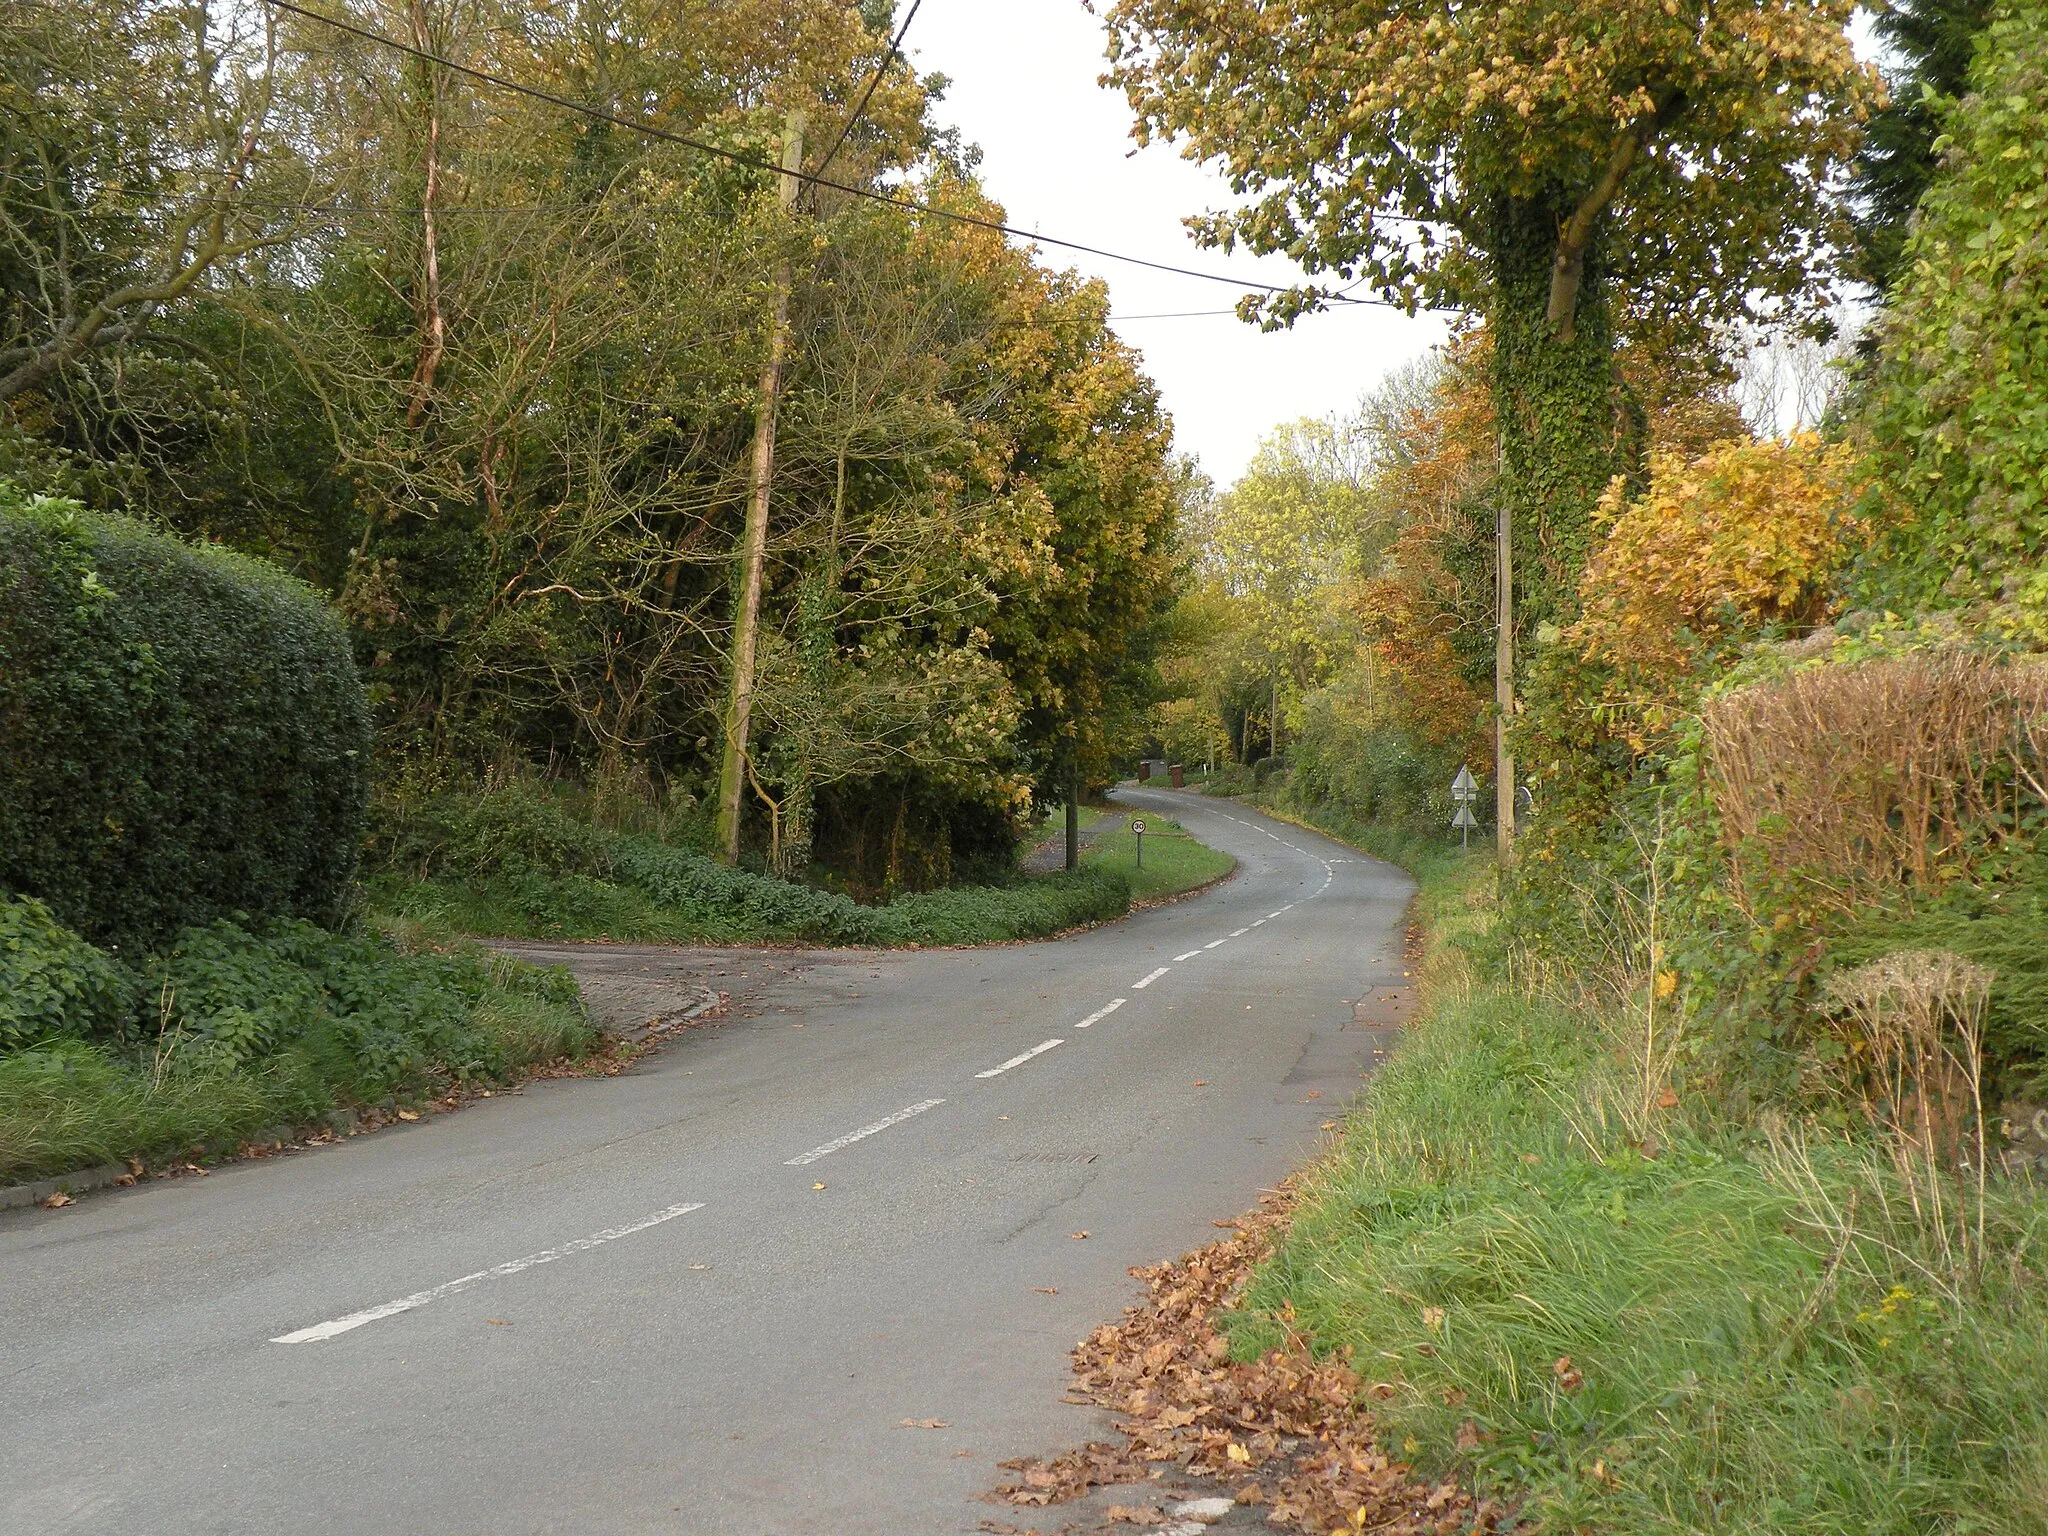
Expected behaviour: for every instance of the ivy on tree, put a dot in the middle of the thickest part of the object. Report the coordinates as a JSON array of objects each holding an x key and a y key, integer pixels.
[{"x": 1546, "y": 162}]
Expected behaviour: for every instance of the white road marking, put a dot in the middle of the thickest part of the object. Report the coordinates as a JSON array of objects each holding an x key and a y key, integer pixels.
[
  {"x": 1138, "y": 985},
  {"x": 1238, "y": 933},
  {"x": 1214, "y": 942},
  {"x": 339, "y": 1325},
  {"x": 851, "y": 1137},
  {"x": 1260, "y": 923},
  {"x": 1101, "y": 1013},
  {"x": 1018, "y": 1061},
  {"x": 1191, "y": 954}
]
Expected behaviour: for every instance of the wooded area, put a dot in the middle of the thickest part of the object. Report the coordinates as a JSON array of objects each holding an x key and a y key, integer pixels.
[{"x": 486, "y": 365}]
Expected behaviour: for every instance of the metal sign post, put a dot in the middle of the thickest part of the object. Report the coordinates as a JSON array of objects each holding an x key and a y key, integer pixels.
[
  {"x": 1138, "y": 831},
  {"x": 1464, "y": 790}
]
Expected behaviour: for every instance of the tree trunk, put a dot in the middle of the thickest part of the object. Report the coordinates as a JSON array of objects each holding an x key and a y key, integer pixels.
[
  {"x": 1273, "y": 705},
  {"x": 1074, "y": 809},
  {"x": 1567, "y": 423},
  {"x": 754, "y": 542}
]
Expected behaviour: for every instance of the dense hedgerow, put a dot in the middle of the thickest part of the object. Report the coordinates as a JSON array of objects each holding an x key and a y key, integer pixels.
[
  {"x": 524, "y": 863},
  {"x": 184, "y": 732},
  {"x": 1957, "y": 428}
]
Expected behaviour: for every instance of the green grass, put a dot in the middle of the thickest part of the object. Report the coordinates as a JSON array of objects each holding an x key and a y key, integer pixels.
[
  {"x": 1174, "y": 860},
  {"x": 1759, "y": 1336}
]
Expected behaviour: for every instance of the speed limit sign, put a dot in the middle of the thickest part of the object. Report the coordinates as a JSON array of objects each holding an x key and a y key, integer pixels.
[{"x": 1138, "y": 825}]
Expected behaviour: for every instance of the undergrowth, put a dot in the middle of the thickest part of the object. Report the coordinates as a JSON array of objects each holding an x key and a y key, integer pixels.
[
  {"x": 516, "y": 863},
  {"x": 1633, "y": 1314},
  {"x": 232, "y": 1029}
]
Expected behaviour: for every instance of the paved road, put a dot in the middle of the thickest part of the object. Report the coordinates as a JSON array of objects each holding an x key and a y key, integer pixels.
[{"x": 624, "y": 1306}]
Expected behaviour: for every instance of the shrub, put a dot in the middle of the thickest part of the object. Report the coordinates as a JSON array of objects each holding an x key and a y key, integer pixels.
[
  {"x": 372, "y": 1015},
  {"x": 185, "y": 735},
  {"x": 53, "y": 983},
  {"x": 1840, "y": 783},
  {"x": 1742, "y": 541}
]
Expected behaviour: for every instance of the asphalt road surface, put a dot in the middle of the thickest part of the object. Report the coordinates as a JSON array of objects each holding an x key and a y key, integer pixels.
[{"x": 626, "y": 1305}]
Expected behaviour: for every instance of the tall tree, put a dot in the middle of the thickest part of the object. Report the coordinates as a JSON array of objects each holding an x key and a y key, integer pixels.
[
  {"x": 1547, "y": 162},
  {"x": 1929, "y": 43}
]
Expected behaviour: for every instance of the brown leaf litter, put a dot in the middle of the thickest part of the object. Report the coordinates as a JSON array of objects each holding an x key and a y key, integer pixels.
[{"x": 1286, "y": 1432}]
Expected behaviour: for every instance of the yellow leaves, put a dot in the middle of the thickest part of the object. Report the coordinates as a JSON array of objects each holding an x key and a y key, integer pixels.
[{"x": 1741, "y": 541}]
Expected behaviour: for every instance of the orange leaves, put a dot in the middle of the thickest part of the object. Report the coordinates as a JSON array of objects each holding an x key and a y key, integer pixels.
[{"x": 1743, "y": 540}]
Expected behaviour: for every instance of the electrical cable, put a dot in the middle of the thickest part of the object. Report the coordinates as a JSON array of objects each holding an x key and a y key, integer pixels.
[
  {"x": 881, "y": 69},
  {"x": 752, "y": 162}
]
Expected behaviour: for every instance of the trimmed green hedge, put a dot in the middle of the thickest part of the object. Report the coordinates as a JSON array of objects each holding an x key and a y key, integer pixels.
[{"x": 182, "y": 731}]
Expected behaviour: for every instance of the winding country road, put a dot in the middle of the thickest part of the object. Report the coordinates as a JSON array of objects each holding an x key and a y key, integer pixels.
[{"x": 624, "y": 1305}]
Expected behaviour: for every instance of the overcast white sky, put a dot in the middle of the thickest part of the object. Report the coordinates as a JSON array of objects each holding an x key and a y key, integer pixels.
[{"x": 1055, "y": 146}]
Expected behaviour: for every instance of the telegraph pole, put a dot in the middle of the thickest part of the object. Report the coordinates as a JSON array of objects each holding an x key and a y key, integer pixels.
[{"x": 739, "y": 704}]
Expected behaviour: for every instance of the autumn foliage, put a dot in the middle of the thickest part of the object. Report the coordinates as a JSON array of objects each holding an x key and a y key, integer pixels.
[{"x": 1742, "y": 541}]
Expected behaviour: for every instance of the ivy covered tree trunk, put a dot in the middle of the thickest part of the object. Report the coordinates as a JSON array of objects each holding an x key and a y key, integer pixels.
[{"x": 1567, "y": 422}]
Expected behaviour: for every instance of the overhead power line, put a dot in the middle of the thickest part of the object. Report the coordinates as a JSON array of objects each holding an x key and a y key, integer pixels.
[
  {"x": 881, "y": 69},
  {"x": 754, "y": 162}
]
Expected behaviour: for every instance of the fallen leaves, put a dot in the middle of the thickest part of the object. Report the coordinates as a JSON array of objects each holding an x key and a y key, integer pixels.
[
  {"x": 1187, "y": 1406},
  {"x": 1077, "y": 1235},
  {"x": 818, "y": 1186},
  {"x": 924, "y": 1424},
  {"x": 1567, "y": 1374},
  {"x": 1046, "y": 1290},
  {"x": 56, "y": 1202}
]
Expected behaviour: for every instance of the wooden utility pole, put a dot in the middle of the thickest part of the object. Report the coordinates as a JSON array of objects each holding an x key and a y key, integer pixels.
[
  {"x": 1503, "y": 678},
  {"x": 739, "y": 703}
]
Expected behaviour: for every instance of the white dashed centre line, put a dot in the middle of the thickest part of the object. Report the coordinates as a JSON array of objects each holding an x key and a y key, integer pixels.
[
  {"x": 1102, "y": 1013},
  {"x": 1019, "y": 1060},
  {"x": 1261, "y": 922},
  {"x": 1188, "y": 956},
  {"x": 1238, "y": 933},
  {"x": 1137, "y": 986},
  {"x": 1214, "y": 942},
  {"x": 865, "y": 1131},
  {"x": 327, "y": 1330}
]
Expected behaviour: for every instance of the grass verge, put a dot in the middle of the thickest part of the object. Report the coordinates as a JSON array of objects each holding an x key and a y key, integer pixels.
[
  {"x": 1174, "y": 861},
  {"x": 232, "y": 1031},
  {"x": 1632, "y": 1315}
]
